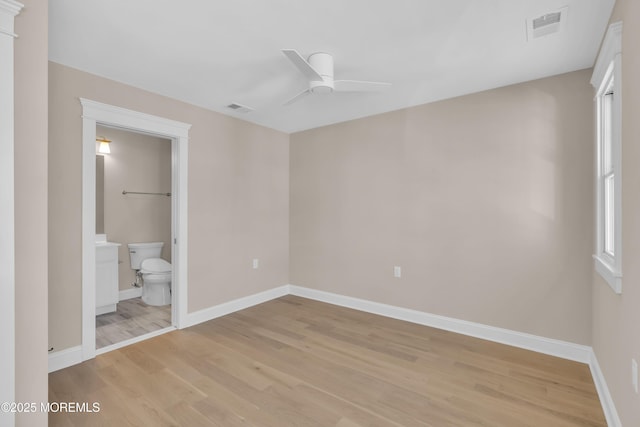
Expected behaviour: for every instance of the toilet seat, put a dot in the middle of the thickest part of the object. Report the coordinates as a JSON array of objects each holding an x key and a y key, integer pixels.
[{"x": 155, "y": 266}]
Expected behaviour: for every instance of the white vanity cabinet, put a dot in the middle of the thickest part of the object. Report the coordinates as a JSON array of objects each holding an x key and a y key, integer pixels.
[{"x": 106, "y": 277}]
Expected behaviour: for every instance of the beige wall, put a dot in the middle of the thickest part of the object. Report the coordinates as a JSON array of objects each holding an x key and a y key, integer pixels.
[
  {"x": 137, "y": 163},
  {"x": 238, "y": 198},
  {"x": 485, "y": 201},
  {"x": 31, "y": 50},
  {"x": 616, "y": 318}
]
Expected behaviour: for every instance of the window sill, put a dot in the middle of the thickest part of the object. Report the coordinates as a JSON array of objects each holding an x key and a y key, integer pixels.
[{"x": 609, "y": 273}]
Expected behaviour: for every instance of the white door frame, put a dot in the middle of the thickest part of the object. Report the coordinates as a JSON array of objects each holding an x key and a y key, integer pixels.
[
  {"x": 96, "y": 113},
  {"x": 8, "y": 11}
]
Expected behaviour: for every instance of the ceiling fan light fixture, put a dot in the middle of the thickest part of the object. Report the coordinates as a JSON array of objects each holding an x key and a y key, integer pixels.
[
  {"x": 318, "y": 69},
  {"x": 321, "y": 88}
]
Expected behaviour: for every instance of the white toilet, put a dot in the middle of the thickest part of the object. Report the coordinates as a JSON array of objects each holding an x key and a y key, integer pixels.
[{"x": 156, "y": 272}]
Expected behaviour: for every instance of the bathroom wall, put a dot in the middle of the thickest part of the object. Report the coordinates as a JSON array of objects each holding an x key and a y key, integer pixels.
[
  {"x": 140, "y": 163},
  {"x": 485, "y": 201},
  {"x": 238, "y": 197},
  {"x": 616, "y": 318}
]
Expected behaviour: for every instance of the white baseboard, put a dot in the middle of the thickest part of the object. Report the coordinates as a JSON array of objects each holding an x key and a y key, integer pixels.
[
  {"x": 553, "y": 347},
  {"x": 106, "y": 309},
  {"x": 235, "y": 305},
  {"x": 129, "y": 293},
  {"x": 609, "y": 408},
  {"x": 65, "y": 358}
]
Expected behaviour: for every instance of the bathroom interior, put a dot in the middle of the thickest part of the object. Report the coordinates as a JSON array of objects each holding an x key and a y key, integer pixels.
[{"x": 133, "y": 235}]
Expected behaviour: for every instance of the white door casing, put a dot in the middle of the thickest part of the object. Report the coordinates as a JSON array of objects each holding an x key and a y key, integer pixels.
[
  {"x": 94, "y": 113},
  {"x": 9, "y": 9}
]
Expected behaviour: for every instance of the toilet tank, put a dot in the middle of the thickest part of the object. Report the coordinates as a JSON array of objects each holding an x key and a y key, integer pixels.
[{"x": 138, "y": 252}]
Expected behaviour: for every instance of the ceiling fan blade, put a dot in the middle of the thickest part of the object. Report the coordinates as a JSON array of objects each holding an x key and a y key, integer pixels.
[
  {"x": 302, "y": 64},
  {"x": 358, "y": 86},
  {"x": 297, "y": 97}
]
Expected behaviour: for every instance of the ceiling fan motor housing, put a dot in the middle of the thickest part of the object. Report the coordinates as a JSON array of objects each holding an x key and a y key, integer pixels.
[
  {"x": 318, "y": 69},
  {"x": 323, "y": 64}
]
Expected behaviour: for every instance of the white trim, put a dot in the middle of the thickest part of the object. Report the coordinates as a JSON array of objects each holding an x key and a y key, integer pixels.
[
  {"x": 608, "y": 407},
  {"x": 134, "y": 340},
  {"x": 553, "y": 347},
  {"x": 550, "y": 346},
  {"x": 236, "y": 305},
  {"x": 11, "y": 9},
  {"x": 110, "y": 308},
  {"x": 611, "y": 46},
  {"x": 88, "y": 239},
  {"x": 8, "y": 11},
  {"x": 7, "y": 33},
  {"x": 608, "y": 68},
  {"x": 65, "y": 358},
  {"x": 129, "y": 294},
  {"x": 73, "y": 356},
  {"x": 179, "y": 229},
  {"x": 94, "y": 113},
  {"x": 612, "y": 277},
  {"x": 133, "y": 120}
]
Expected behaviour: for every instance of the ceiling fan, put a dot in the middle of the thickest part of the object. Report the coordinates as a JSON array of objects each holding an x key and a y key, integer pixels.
[{"x": 319, "y": 70}]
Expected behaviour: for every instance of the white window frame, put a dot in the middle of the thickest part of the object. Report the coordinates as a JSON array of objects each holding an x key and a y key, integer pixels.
[{"x": 608, "y": 72}]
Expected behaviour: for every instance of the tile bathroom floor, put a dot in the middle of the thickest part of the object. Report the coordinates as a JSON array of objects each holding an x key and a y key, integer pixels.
[{"x": 132, "y": 319}]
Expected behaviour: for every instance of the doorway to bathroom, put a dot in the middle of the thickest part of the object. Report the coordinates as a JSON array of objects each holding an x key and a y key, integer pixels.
[
  {"x": 117, "y": 212},
  {"x": 133, "y": 219}
]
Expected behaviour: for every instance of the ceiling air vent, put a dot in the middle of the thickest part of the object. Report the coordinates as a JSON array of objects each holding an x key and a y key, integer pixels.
[
  {"x": 549, "y": 23},
  {"x": 239, "y": 108}
]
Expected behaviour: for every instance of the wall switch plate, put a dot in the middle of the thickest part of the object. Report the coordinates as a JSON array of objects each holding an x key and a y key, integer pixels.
[
  {"x": 397, "y": 271},
  {"x": 634, "y": 374},
  {"x": 256, "y": 262}
]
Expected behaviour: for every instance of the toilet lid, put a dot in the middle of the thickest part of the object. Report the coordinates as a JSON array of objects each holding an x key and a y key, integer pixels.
[{"x": 155, "y": 265}]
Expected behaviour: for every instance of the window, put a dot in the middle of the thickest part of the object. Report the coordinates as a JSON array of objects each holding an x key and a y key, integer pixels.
[
  {"x": 607, "y": 82},
  {"x": 608, "y": 174}
]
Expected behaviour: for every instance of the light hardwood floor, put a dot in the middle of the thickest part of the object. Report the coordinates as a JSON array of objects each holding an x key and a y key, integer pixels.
[
  {"x": 297, "y": 362},
  {"x": 131, "y": 319}
]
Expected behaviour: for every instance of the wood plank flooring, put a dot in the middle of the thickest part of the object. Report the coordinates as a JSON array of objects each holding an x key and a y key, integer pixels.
[
  {"x": 131, "y": 319},
  {"x": 298, "y": 362}
]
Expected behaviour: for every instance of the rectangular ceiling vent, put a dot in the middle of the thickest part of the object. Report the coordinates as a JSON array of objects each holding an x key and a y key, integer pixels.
[
  {"x": 549, "y": 23},
  {"x": 239, "y": 108}
]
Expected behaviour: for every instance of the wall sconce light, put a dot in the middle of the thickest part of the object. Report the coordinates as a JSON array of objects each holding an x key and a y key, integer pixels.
[{"x": 104, "y": 145}]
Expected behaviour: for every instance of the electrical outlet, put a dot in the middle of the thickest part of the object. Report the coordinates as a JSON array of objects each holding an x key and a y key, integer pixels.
[
  {"x": 634, "y": 374},
  {"x": 397, "y": 271},
  {"x": 256, "y": 262}
]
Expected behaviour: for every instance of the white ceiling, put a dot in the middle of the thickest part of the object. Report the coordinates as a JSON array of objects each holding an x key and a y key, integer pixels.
[{"x": 212, "y": 53}]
